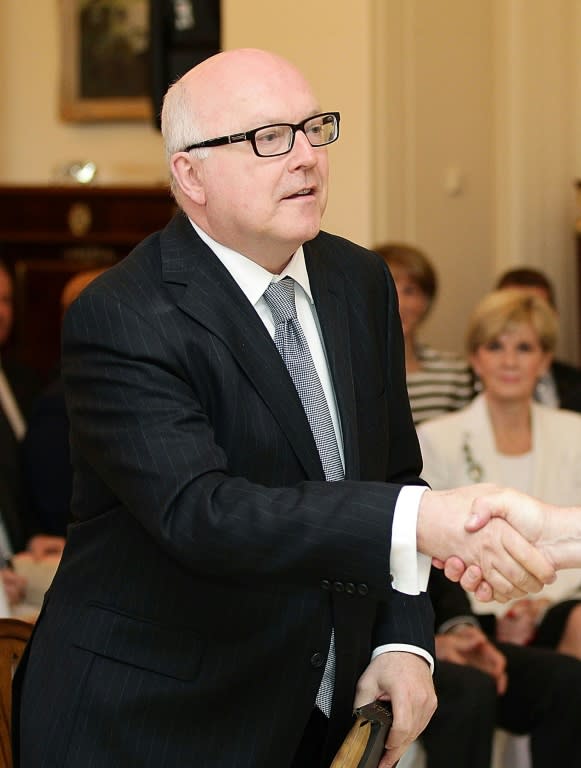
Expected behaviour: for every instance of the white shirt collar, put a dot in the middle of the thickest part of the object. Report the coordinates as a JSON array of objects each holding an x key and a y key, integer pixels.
[{"x": 253, "y": 279}]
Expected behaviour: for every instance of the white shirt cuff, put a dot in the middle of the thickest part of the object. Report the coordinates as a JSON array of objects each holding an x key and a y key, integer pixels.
[
  {"x": 407, "y": 649},
  {"x": 410, "y": 569}
]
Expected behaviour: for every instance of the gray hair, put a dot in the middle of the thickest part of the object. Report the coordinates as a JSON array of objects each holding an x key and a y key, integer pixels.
[{"x": 178, "y": 127}]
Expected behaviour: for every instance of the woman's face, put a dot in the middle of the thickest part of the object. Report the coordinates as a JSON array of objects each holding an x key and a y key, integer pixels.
[
  {"x": 413, "y": 302},
  {"x": 510, "y": 365}
]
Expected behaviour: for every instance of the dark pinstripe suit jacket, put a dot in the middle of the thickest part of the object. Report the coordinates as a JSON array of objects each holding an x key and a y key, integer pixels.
[{"x": 190, "y": 618}]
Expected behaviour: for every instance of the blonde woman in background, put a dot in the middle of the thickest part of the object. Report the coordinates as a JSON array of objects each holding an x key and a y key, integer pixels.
[{"x": 504, "y": 437}]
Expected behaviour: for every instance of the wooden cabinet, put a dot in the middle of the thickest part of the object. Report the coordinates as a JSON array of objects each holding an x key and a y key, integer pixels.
[{"x": 47, "y": 234}]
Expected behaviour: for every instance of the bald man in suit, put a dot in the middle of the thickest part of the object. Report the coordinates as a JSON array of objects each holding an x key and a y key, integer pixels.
[{"x": 223, "y": 600}]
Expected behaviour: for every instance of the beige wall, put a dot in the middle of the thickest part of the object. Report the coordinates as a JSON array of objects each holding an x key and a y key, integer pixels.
[
  {"x": 339, "y": 64},
  {"x": 439, "y": 163},
  {"x": 441, "y": 104},
  {"x": 34, "y": 142}
]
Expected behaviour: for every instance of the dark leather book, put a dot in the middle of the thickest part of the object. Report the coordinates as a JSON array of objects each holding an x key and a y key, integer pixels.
[{"x": 364, "y": 745}]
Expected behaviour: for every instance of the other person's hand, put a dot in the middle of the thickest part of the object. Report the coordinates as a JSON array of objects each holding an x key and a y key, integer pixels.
[
  {"x": 14, "y": 586},
  {"x": 468, "y": 645},
  {"x": 555, "y": 532},
  {"x": 518, "y": 625}
]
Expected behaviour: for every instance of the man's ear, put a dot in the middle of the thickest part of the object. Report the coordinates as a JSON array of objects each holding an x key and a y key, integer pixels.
[{"x": 187, "y": 171}]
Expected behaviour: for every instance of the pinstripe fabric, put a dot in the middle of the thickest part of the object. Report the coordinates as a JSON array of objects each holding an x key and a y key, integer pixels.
[{"x": 197, "y": 591}]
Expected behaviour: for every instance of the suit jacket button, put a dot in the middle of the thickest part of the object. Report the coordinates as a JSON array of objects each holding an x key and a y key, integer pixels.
[
  {"x": 338, "y": 586},
  {"x": 363, "y": 589},
  {"x": 317, "y": 660},
  {"x": 326, "y": 584},
  {"x": 350, "y": 588}
]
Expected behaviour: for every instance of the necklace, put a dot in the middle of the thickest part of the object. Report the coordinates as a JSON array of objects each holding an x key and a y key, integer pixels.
[{"x": 475, "y": 470}]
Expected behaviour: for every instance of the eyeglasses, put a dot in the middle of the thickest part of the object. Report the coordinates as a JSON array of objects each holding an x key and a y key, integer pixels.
[{"x": 278, "y": 139}]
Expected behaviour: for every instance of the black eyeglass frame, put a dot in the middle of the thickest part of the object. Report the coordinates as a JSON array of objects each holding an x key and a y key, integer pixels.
[{"x": 250, "y": 136}]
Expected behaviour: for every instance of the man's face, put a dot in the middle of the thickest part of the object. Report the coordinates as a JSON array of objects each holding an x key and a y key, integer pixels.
[
  {"x": 6, "y": 306},
  {"x": 264, "y": 207}
]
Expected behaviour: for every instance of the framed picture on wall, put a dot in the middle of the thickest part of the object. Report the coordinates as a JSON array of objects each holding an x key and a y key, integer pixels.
[{"x": 105, "y": 67}]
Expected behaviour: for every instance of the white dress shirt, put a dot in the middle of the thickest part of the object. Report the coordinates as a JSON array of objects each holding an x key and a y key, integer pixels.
[{"x": 409, "y": 569}]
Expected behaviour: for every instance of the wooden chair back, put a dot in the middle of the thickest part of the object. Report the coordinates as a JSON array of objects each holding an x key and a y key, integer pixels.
[{"x": 14, "y": 635}]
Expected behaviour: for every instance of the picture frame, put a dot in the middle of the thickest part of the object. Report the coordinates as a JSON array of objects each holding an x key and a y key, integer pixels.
[{"x": 105, "y": 60}]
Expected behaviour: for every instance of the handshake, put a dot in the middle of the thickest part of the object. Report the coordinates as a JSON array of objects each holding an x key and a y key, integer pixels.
[{"x": 497, "y": 542}]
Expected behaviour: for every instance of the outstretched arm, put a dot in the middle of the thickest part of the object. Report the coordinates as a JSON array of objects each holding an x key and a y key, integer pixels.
[{"x": 555, "y": 531}]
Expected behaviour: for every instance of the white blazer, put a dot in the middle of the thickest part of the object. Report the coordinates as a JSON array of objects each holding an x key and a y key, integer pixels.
[{"x": 456, "y": 445}]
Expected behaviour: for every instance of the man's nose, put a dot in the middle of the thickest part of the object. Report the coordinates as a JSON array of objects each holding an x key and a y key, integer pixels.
[{"x": 303, "y": 152}]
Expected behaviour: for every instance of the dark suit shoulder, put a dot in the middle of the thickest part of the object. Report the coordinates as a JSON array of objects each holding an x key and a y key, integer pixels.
[
  {"x": 174, "y": 255},
  {"x": 130, "y": 281},
  {"x": 345, "y": 253},
  {"x": 362, "y": 270}
]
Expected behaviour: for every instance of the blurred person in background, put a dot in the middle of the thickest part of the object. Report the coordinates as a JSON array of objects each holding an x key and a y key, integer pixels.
[
  {"x": 47, "y": 466},
  {"x": 437, "y": 381},
  {"x": 561, "y": 385},
  {"x": 483, "y": 685},
  {"x": 504, "y": 436},
  {"x": 19, "y": 385}
]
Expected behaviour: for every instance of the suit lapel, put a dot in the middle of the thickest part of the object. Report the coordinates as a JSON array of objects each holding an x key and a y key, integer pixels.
[
  {"x": 214, "y": 300},
  {"x": 329, "y": 293}
]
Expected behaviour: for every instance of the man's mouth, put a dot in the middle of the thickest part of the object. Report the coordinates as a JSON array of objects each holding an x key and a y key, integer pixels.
[{"x": 301, "y": 193}]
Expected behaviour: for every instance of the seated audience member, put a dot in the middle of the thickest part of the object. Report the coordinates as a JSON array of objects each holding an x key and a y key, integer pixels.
[
  {"x": 483, "y": 685},
  {"x": 561, "y": 385},
  {"x": 437, "y": 381},
  {"x": 505, "y": 437},
  {"x": 18, "y": 387},
  {"x": 47, "y": 464}
]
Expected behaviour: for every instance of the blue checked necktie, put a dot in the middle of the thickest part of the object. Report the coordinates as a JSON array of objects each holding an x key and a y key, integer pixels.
[{"x": 294, "y": 350}]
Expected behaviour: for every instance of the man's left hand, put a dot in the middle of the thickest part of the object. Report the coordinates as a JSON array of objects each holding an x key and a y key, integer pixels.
[{"x": 406, "y": 680}]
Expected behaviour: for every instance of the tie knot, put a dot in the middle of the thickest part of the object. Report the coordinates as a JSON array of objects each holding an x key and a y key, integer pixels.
[{"x": 280, "y": 298}]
